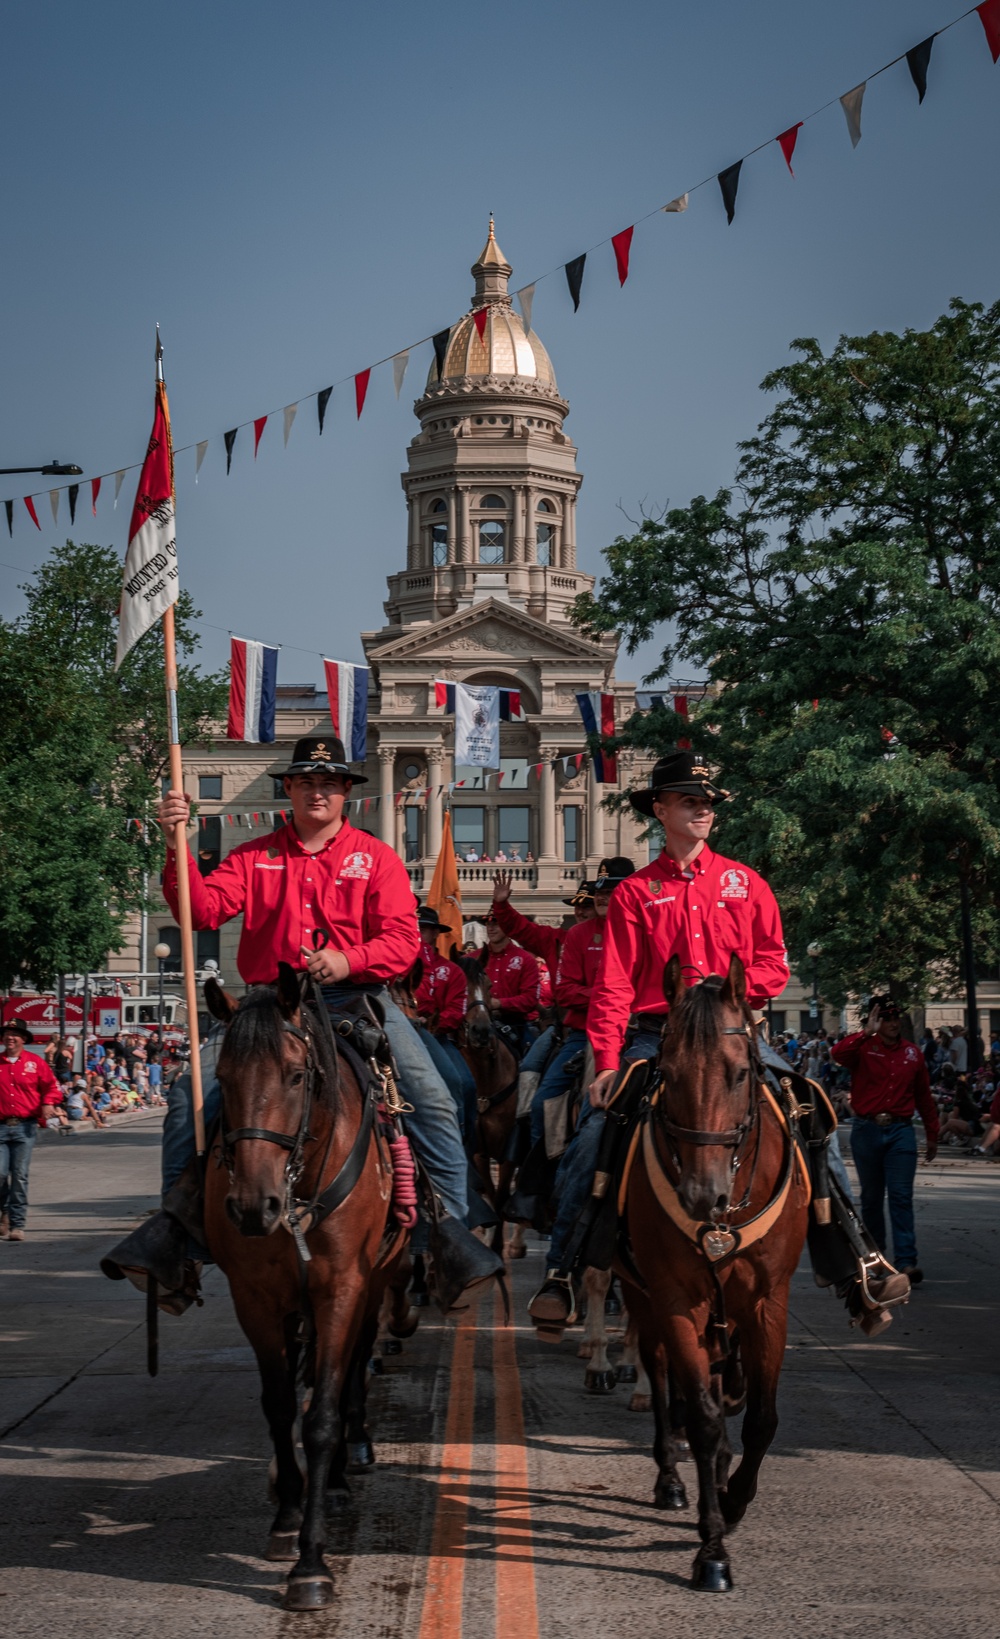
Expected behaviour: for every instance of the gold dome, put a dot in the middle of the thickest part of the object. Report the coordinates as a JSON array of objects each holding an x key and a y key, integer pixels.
[{"x": 505, "y": 349}]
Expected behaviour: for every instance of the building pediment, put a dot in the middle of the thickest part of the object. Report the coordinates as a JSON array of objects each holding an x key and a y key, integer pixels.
[{"x": 492, "y": 631}]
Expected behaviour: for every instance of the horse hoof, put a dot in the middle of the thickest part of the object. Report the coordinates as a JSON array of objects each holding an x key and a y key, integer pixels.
[
  {"x": 712, "y": 1576},
  {"x": 376, "y": 1365},
  {"x": 672, "y": 1496},
  {"x": 308, "y": 1593},
  {"x": 391, "y": 1345},
  {"x": 640, "y": 1402},
  {"x": 282, "y": 1545},
  {"x": 405, "y": 1328},
  {"x": 627, "y": 1374},
  {"x": 360, "y": 1456},
  {"x": 599, "y": 1382}
]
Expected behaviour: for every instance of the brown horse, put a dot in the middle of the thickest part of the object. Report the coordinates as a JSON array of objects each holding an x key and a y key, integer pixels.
[
  {"x": 494, "y": 1065},
  {"x": 716, "y": 1204},
  {"x": 306, "y": 1286}
]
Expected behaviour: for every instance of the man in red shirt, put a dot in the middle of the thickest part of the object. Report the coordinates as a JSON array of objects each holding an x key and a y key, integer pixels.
[
  {"x": 889, "y": 1081},
  {"x": 27, "y": 1089},
  {"x": 513, "y": 975},
  {"x": 441, "y": 997}
]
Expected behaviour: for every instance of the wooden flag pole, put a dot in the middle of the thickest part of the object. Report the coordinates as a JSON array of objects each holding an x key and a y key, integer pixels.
[{"x": 183, "y": 883}]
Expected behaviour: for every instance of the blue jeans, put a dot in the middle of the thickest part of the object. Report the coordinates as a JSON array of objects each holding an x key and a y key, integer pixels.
[
  {"x": 432, "y": 1124},
  {"x": 16, "y": 1144},
  {"x": 456, "y": 1075},
  {"x": 555, "y": 1080},
  {"x": 886, "y": 1159},
  {"x": 575, "y": 1178},
  {"x": 533, "y": 1062}
]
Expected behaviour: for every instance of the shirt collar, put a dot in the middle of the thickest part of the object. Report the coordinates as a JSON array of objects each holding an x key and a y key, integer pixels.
[
  {"x": 294, "y": 842},
  {"x": 698, "y": 866}
]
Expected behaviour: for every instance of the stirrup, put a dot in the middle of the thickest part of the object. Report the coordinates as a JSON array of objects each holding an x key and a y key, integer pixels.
[
  {"x": 551, "y": 1327},
  {"x": 877, "y": 1267}
]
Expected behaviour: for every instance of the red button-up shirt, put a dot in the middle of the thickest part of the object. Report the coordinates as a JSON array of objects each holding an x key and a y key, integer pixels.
[
  {"x": 443, "y": 990},
  {"x": 26, "y": 1083},
  {"x": 578, "y": 969},
  {"x": 356, "y": 889},
  {"x": 513, "y": 976},
  {"x": 721, "y": 908},
  {"x": 534, "y": 936},
  {"x": 888, "y": 1080}
]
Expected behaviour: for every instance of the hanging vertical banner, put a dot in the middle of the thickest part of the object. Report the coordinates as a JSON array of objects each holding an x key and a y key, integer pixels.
[
  {"x": 54, "y": 504},
  {"x": 32, "y": 514},
  {"x": 597, "y": 711},
  {"x": 574, "y": 278},
  {"x": 525, "y": 298},
  {"x": 258, "y": 432},
  {"x": 917, "y": 61},
  {"x": 989, "y": 16},
  {"x": 74, "y": 495},
  {"x": 477, "y": 725},
  {"x": 786, "y": 142},
  {"x": 95, "y": 490},
  {"x": 399, "y": 363},
  {"x": 729, "y": 181},
  {"x": 678, "y": 204},
  {"x": 479, "y": 318},
  {"x": 347, "y": 687},
  {"x": 229, "y": 439},
  {"x": 322, "y": 400},
  {"x": 200, "y": 451},
  {"x": 253, "y": 685},
  {"x": 622, "y": 243},
  {"x": 851, "y": 102},
  {"x": 289, "y": 413},
  {"x": 361, "y": 381},
  {"x": 440, "y": 345},
  {"x": 150, "y": 582}
]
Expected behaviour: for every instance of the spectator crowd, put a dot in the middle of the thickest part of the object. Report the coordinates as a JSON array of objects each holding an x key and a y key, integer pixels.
[{"x": 125, "y": 1073}]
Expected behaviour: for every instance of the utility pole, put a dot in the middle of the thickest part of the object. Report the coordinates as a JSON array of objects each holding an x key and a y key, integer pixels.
[{"x": 969, "y": 961}]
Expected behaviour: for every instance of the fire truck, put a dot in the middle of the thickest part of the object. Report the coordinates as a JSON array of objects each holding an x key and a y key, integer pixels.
[{"x": 109, "y": 1011}]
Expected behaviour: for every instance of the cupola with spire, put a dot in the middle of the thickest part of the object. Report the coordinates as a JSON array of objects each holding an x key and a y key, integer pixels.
[{"x": 505, "y": 347}]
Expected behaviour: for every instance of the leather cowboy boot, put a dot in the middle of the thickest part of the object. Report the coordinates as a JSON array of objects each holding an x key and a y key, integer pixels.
[
  {"x": 158, "y": 1248},
  {"x": 461, "y": 1261},
  {"x": 553, "y": 1306}
]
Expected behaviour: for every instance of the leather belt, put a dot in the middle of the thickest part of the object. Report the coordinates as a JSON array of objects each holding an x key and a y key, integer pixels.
[
  {"x": 885, "y": 1119},
  {"x": 648, "y": 1021}
]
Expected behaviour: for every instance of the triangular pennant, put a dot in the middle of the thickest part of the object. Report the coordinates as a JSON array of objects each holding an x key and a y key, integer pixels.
[
  {"x": 525, "y": 298},
  {"x": 678, "y": 204},
  {"x": 258, "y": 432},
  {"x": 32, "y": 514},
  {"x": 479, "y": 319},
  {"x": 989, "y": 16},
  {"x": 786, "y": 142},
  {"x": 119, "y": 481},
  {"x": 574, "y": 278},
  {"x": 440, "y": 343},
  {"x": 579, "y": 760},
  {"x": 399, "y": 363},
  {"x": 9, "y": 509},
  {"x": 536, "y": 769},
  {"x": 200, "y": 451},
  {"x": 366, "y": 804},
  {"x": 290, "y": 412},
  {"x": 917, "y": 61},
  {"x": 322, "y": 400},
  {"x": 74, "y": 495},
  {"x": 95, "y": 490},
  {"x": 230, "y": 439},
  {"x": 54, "y": 504},
  {"x": 851, "y": 102},
  {"x": 622, "y": 243},
  {"x": 729, "y": 181},
  {"x": 500, "y": 779},
  {"x": 361, "y": 381}
]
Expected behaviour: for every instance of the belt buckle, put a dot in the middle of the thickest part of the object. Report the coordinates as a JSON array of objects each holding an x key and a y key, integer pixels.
[{"x": 883, "y": 1119}]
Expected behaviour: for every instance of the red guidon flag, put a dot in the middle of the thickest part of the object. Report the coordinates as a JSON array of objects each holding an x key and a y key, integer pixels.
[{"x": 150, "y": 583}]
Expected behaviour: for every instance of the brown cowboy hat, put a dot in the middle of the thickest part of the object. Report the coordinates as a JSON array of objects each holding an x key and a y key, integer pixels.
[
  {"x": 318, "y": 754},
  {"x": 683, "y": 771}
]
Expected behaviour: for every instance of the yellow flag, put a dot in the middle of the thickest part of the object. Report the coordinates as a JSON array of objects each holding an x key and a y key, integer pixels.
[{"x": 445, "y": 895}]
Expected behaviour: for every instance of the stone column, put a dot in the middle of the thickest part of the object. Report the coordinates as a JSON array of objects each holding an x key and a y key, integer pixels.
[
  {"x": 595, "y": 816},
  {"x": 519, "y": 538},
  {"x": 530, "y": 520},
  {"x": 547, "y": 813},
  {"x": 432, "y": 813},
  {"x": 386, "y": 808},
  {"x": 464, "y": 528},
  {"x": 452, "y": 526},
  {"x": 567, "y": 542},
  {"x": 413, "y": 531}
]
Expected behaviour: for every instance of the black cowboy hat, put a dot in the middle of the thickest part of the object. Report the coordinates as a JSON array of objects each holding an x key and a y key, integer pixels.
[
  {"x": 612, "y": 871},
  {"x": 319, "y": 754},
  {"x": 428, "y": 918},
  {"x": 888, "y": 1008},
  {"x": 584, "y": 895},
  {"x": 683, "y": 771},
  {"x": 19, "y": 1028}
]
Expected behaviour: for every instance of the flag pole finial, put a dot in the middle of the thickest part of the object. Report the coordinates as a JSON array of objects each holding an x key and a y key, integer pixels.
[{"x": 159, "y": 355}]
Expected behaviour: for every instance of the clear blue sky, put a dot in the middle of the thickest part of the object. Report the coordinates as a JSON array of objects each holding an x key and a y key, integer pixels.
[{"x": 294, "y": 191}]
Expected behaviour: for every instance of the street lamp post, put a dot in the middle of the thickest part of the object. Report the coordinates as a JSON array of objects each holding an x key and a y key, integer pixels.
[
  {"x": 55, "y": 469},
  {"x": 814, "y": 952},
  {"x": 161, "y": 952}
]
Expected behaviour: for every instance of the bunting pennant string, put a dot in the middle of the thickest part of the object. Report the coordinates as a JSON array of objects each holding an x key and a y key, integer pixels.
[
  {"x": 479, "y": 318},
  {"x": 917, "y": 59},
  {"x": 74, "y": 495},
  {"x": 9, "y": 509},
  {"x": 200, "y": 452},
  {"x": 258, "y": 432},
  {"x": 54, "y": 504},
  {"x": 289, "y": 413},
  {"x": 33, "y": 515}
]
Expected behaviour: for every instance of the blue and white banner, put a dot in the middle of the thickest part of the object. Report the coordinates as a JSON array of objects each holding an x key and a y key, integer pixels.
[{"x": 253, "y": 682}]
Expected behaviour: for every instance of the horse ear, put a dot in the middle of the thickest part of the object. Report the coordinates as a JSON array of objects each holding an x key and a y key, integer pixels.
[
  {"x": 220, "y": 1005},
  {"x": 673, "y": 980},
  {"x": 454, "y": 953},
  {"x": 483, "y": 956},
  {"x": 734, "y": 990},
  {"x": 289, "y": 990},
  {"x": 417, "y": 974}
]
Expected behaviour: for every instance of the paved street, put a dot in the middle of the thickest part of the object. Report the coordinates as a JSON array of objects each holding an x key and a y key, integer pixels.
[{"x": 505, "y": 1500}]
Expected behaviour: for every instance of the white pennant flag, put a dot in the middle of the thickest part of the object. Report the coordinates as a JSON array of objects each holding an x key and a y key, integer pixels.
[
  {"x": 150, "y": 583},
  {"x": 199, "y": 456},
  {"x": 54, "y": 504},
  {"x": 678, "y": 204},
  {"x": 119, "y": 480},
  {"x": 291, "y": 411},
  {"x": 399, "y": 363},
  {"x": 851, "y": 102},
  {"x": 525, "y": 298}
]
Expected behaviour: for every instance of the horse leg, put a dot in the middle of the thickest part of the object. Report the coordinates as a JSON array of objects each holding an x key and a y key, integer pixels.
[
  {"x": 599, "y": 1377},
  {"x": 678, "y": 1413},
  {"x": 629, "y": 1366},
  {"x": 310, "y": 1585},
  {"x": 669, "y": 1491},
  {"x": 706, "y": 1430},
  {"x": 402, "y": 1319},
  {"x": 515, "y": 1246},
  {"x": 505, "y": 1177},
  {"x": 279, "y": 1403},
  {"x": 763, "y": 1354},
  {"x": 419, "y": 1296},
  {"x": 360, "y": 1451}
]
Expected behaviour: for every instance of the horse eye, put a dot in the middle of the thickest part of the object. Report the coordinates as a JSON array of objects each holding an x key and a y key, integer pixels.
[{"x": 296, "y": 1078}]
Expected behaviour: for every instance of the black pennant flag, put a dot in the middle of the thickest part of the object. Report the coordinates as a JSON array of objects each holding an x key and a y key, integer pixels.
[
  {"x": 729, "y": 181},
  {"x": 440, "y": 349},
  {"x": 574, "y": 278},
  {"x": 917, "y": 61},
  {"x": 230, "y": 439},
  {"x": 10, "y": 518},
  {"x": 74, "y": 490},
  {"x": 322, "y": 400}
]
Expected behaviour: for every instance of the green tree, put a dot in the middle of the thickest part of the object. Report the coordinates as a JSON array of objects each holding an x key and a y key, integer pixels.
[
  {"x": 82, "y": 751},
  {"x": 843, "y": 600}
]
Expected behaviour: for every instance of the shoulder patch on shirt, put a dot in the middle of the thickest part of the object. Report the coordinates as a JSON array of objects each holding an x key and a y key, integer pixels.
[
  {"x": 655, "y": 886},
  {"x": 515, "y": 961},
  {"x": 357, "y": 867},
  {"x": 30, "y": 1066},
  {"x": 734, "y": 884}
]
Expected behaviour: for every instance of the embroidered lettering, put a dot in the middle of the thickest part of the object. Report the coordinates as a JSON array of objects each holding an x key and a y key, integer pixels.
[{"x": 734, "y": 884}]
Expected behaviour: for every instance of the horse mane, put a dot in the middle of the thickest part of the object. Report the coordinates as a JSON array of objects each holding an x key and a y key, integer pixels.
[
  {"x": 255, "y": 1032},
  {"x": 697, "y": 1015}
]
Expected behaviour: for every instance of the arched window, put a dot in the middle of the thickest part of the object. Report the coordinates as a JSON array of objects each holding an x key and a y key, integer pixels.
[
  {"x": 439, "y": 545},
  {"x": 545, "y": 506},
  {"x": 491, "y": 541},
  {"x": 439, "y": 506},
  {"x": 544, "y": 542},
  {"x": 493, "y": 502}
]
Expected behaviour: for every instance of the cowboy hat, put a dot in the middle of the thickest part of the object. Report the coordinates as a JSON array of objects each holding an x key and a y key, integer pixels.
[
  {"x": 19, "y": 1028},
  {"x": 318, "y": 754},
  {"x": 683, "y": 771}
]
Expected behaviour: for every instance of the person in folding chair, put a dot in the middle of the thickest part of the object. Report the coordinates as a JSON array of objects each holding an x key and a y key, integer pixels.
[{"x": 703, "y": 908}]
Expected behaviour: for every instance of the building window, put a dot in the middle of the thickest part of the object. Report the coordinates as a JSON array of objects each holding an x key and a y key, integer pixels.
[
  {"x": 170, "y": 936},
  {"x": 491, "y": 541},
  {"x": 206, "y": 948},
  {"x": 210, "y": 787},
  {"x": 439, "y": 506},
  {"x": 544, "y": 534},
  {"x": 279, "y": 787},
  {"x": 469, "y": 830},
  {"x": 776, "y": 1021},
  {"x": 571, "y": 834},
  {"x": 209, "y": 843},
  {"x": 545, "y": 506},
  {"x": 493, "y": 503},
  {"x": 412, "y": 771},
  {"x": 439, "y": 545},
  {"x": 411, "y": 834},
  {"x": 513, "y": 830}
]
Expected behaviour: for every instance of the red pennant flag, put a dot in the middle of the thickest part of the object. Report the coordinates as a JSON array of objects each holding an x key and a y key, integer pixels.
[
  {"x": 500, "y": 779},
  {"x": 786, "y": 143},
  {"x": 258, "y": 428},
  {"x": 367, "y": 804},
  {"x": 33, "y": 515},
  {"x": 360, "y": 389},
  {"x": 623, "y": 245},
  {"x": 989, "y": 16},
  {"x": 579, "y": 759},
  {"x": 95, "y": 490},
  {"x": 537, "y": 768},
  {"x": 479, "y": 318}
]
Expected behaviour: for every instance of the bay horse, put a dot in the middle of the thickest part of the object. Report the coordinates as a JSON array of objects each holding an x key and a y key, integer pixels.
[
  {"x": 494, "y": 1065},
  {"x": 299, "y": 1136},
  {"x": 716, "y": 1202}
]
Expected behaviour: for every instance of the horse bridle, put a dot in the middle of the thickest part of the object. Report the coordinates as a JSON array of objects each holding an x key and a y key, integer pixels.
[
  {"x": 294, "y": 1144},
  {"x": 732, "y": 1138}
]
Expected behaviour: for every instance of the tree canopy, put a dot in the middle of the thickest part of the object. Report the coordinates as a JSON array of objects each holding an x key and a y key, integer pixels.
[
  {"x": 82, "y": 752},
  {"x": 842, "y": 598}
]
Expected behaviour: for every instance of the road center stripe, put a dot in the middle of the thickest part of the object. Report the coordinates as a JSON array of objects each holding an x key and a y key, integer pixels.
[
  {"x": 441, "y": 1617},
  {"x": 517, "y": 1608}
]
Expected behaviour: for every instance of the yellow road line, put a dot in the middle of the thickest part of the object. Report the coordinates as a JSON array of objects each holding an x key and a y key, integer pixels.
[
  {"x": 517, "y": 1608},
  {"x": 441, "y": 1617}
]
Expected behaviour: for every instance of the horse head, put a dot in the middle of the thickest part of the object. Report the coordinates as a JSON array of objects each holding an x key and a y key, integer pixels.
[
  {"x": 404, "y": 990},
  {"x": 480, "y": 1031},
  {"x": 709, "y": 1094},
  {"x": 265, "y": 1069}
]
